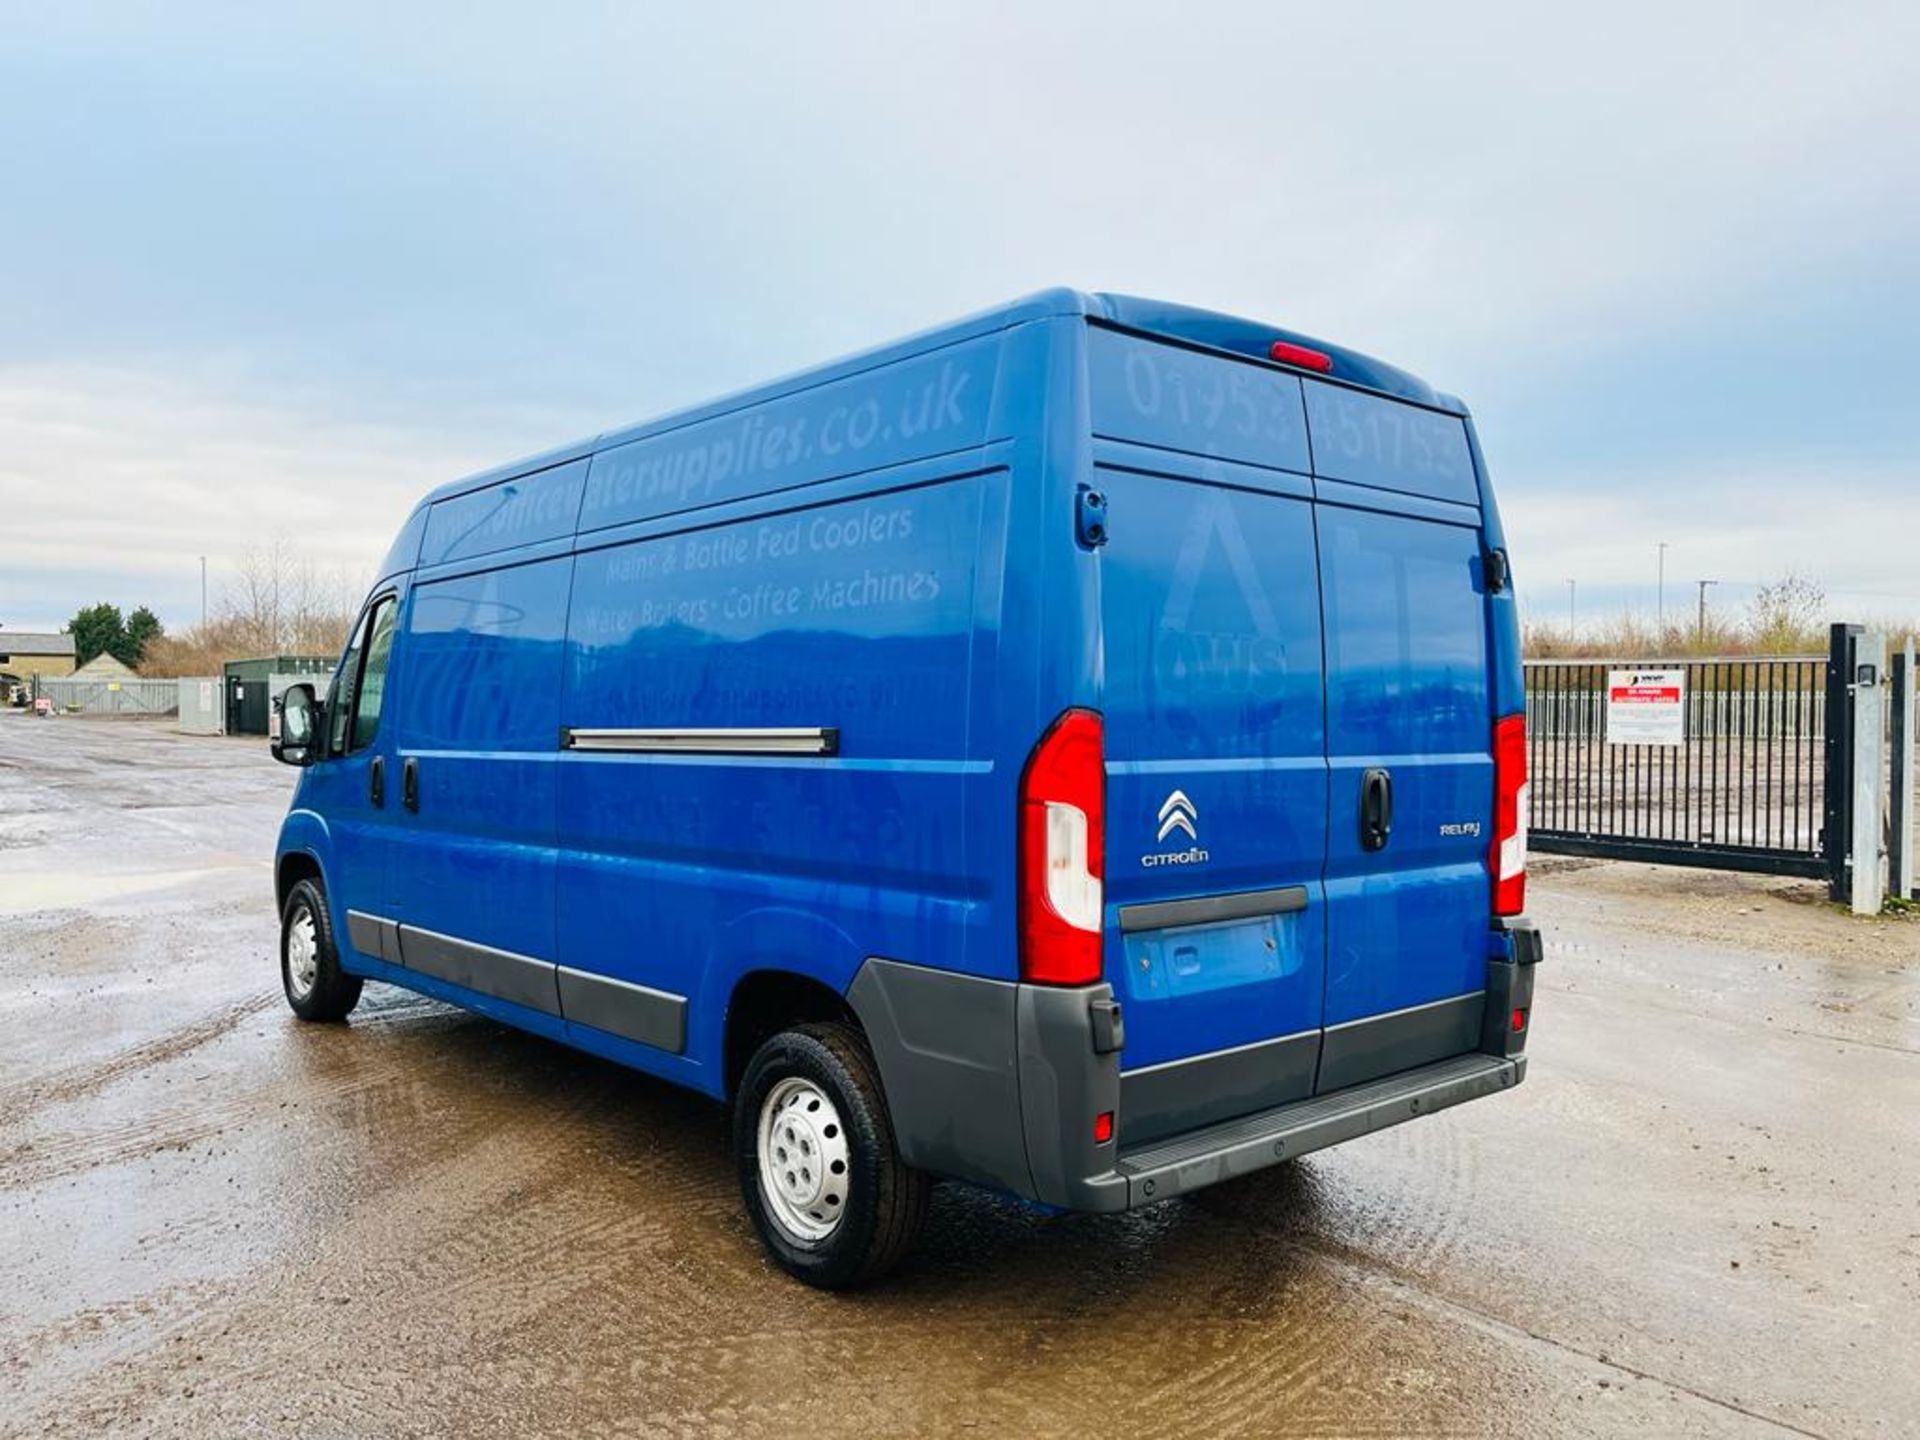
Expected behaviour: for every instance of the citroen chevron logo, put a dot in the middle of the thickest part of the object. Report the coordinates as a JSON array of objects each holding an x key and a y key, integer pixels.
[{"x": 1177, "y": 812}]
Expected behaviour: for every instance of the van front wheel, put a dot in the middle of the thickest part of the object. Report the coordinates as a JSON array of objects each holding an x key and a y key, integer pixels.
[
  {"x": 832, "y": 1200},
  {"x": 317, "y": 988}
]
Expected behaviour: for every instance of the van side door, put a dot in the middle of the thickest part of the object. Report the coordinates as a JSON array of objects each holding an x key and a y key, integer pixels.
[
  {"x": 351, "y": 786},
  {"x": 473, "y": 792}
]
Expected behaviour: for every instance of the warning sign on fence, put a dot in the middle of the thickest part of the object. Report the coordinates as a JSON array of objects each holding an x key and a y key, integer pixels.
[{"x": 1646, "y": 707}]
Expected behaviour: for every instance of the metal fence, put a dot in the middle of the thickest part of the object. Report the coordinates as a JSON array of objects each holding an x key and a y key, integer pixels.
[
  {"x": 112, "y": 697},
  {"x": 1743, "y": 787}
]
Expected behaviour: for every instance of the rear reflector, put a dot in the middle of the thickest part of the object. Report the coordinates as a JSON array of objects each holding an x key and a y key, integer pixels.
[
  {"x": 1287, "y": 353},
  {"x": 1063, "y": 853},
  {"x": 1103, "y": 1126},
  {"x": 1507, "y": 856},
  {"x": 1519, "y": 1021}
]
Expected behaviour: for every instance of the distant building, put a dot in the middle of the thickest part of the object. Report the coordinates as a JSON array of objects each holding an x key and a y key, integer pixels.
[
  {"x": 26, "y": 653},
  {"x": 103, "y": 667},
  {"x": 253, "y": 685}
]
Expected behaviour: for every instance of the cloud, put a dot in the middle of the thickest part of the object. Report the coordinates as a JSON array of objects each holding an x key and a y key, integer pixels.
[
  {"x": 270, "y": 271},
  {"x": 116, "y": 482},
  {"x": 1848, "y": 528}
]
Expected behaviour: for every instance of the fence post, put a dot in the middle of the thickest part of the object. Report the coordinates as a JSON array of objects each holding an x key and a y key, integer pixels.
[
  {"x": 1868, "y": 887},
  {"x": 1900, "y": 859},
  {"x": 1836, "y": 830}
]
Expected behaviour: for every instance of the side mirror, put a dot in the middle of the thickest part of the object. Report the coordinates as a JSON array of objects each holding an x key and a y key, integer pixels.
[{"x": 296, "y": 726}]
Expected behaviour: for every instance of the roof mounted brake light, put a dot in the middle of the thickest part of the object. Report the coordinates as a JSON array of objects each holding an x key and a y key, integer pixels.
[{"x": 1288, "y": 353}]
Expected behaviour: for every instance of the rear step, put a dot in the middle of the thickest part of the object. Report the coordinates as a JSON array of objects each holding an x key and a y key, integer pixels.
[{"x": 1160, "y": 1168}]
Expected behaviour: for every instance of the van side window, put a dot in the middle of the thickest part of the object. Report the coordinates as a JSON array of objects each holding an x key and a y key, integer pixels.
[
  {"x": 359, "y": 687},
  {"x": 373, "y": 675},
  {"x": 345, "y": 680}
]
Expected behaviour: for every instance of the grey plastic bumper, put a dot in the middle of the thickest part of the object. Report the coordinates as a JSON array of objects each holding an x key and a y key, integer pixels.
[
  {"x": 995, "y": 1082},
  {"x": 1219, "y": 1152},
  {"x": 1000, "y": 1083}
]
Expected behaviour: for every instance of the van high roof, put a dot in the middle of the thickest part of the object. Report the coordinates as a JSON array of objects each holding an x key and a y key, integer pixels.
[{"x": 1184, "y": 324}]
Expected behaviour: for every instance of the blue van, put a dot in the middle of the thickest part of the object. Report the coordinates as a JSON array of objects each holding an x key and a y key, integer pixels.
[{"x": 1077, "y": 751}]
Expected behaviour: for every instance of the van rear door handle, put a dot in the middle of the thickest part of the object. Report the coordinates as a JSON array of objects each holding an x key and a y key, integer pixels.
[
  {"x": 410, "y": 784},
  {"x": 1376, "y": 809},
  {"x": 377, "y": 781}
]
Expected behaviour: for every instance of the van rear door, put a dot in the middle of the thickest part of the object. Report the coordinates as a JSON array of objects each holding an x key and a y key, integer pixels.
[
  {"x": 1213, "y": 700},
  {"x": 1409, "y": 728}
]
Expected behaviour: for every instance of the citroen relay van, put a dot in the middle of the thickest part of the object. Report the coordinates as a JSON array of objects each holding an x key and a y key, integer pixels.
[{"x": 1076, "y": 751}]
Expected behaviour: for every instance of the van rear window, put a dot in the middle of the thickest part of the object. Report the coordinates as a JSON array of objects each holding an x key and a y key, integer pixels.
[
  {"x": 1177, "y": 399},
  {"x": 1370, "y": 440}
]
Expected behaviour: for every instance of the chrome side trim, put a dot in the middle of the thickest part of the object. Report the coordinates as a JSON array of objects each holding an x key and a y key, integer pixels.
[{"x": 765, "y": 740}]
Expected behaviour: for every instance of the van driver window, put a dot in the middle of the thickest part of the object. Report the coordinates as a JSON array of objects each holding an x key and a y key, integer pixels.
[
  {"x": 359, "y": 686},
  {"x": 340, "y": 696},
  {"x": 373, "y": 676}
]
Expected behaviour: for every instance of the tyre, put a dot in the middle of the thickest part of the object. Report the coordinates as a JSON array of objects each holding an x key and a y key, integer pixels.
[
  {"x": 317, "y": 988},
  {"x": 833, "y": 1202}
]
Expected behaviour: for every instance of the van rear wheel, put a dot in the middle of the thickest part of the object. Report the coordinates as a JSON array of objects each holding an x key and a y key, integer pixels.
[
  {"x": 829, "y": 1195},
  {"x": 317, "y": 988}
]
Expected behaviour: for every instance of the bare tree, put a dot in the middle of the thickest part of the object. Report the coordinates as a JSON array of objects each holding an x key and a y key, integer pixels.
[
  {"x": 280, "y": 603},
  {"x": 1784, "y": 617},
  {"x": 276, "y": 601}
]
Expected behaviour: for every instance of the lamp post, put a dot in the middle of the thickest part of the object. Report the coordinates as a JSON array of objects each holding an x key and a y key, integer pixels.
[
  {"x": 1572, "y": 622},
  {"x": 1700, "y": 623},
  {"x": 1662, "y": 604}
]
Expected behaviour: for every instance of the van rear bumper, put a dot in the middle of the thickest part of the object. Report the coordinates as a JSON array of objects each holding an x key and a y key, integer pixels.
[
  {"x": 1003, "y": 1083},
  {"x": 1154, "y": 1171}
]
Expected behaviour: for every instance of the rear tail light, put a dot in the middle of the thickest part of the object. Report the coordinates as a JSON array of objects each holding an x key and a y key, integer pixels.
[
  {"x": 1507, "y": 857},
  {"x": 1063, "y": 853}
]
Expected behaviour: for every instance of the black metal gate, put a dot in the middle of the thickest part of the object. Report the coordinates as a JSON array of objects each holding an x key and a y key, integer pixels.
[{"x": 1744, "y": 787}]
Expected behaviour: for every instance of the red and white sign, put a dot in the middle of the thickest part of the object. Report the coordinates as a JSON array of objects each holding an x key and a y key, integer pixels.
[{"x": 1646, "y": 707}]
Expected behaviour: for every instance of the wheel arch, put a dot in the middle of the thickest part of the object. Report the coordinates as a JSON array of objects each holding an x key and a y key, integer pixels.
[
  {"x": 290, "y": 869},
  {"x": 302, "y": 854},
  {"x": 767, "y": 1000}
]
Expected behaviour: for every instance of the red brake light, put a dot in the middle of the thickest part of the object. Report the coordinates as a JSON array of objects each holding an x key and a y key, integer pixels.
[
  {"x": 1103, "y": 1127},
  {"x": 1519, "y": 1021},
  {"x": 1507, "y": 856},
  {"x": 1287, "y": 353},
  {"x": 1063, "y": 853}
]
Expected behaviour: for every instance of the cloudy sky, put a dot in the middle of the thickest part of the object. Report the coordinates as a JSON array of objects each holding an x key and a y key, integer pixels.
[{"x": 280, "y": 269}]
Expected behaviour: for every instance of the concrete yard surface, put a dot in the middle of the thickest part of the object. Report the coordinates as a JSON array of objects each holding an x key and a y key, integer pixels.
[{"x": 1700, "y": 1215}]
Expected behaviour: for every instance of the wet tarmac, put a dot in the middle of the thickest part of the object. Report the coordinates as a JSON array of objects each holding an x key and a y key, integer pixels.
[{"x": 1699, "y": 1216}]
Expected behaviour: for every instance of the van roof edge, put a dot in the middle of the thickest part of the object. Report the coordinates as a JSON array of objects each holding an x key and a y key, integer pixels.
[
  {"x": 1186, "y": 324},
  {"x": 1253, "y": 339}
]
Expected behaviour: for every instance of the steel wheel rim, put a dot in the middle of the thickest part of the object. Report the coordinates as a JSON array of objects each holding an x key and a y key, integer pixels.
[
  {"x": 303, "y": 954},
  {"x": 805, "y": 1161}
]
